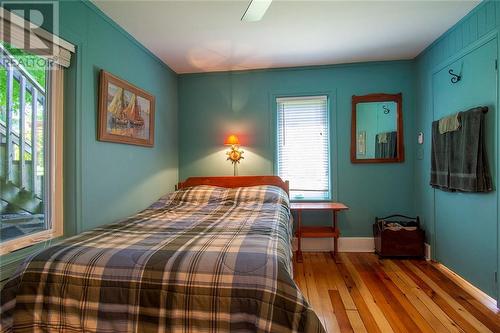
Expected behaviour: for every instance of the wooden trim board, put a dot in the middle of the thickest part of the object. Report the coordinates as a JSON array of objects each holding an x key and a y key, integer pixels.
[{"x": 236, "y": 181}]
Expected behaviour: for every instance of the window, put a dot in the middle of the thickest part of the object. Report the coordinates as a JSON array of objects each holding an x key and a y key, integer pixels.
[
  {"x": 31, "y": 134},
  {"x": 303, "y": 146},
  {"x": 27, "y": 156}
]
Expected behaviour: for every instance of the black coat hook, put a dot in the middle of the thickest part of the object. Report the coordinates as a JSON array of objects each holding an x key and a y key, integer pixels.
[
  {"x": 386, "y": 109},
  {"x": 454, "y": 77}
]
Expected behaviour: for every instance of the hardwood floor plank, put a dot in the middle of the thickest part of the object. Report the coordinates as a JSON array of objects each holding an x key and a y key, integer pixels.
[
  {"x": 377, "y": 313},
  {"x": 401, "y": 297},
  {"x": 426, "y": 297},
  {"x": 478, "y": 325},
  {"x": 478, "y": 295},
  {"x": 341, "y": 286},
  {"x": 356, "y": 322},
  {"x": 340, "y": 312},
  {"x": 362, "y": 309},
  {"x": 358, "y": 292},
  {"x": 328, "y": 268},
  {"x": 413, "y": 297},
  {"x": 300, "y": 278},
  {"x": 324, "y": 284},
  {"x": 456, "y": 319},
  {"x": 394, "y": 311},
  {"x": 322, "y": 273},
  {"x": 317, "y": 299},
  {"x": 478, "y": 310}
]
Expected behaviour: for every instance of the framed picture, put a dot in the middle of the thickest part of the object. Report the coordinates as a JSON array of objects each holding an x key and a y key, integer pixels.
[{"x": 126, "y": 113}]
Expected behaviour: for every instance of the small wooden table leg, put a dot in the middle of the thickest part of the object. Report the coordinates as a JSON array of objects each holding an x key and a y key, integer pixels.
[
  {"x": 335, "y": 239},
  {"x": 299, "y": 235}
]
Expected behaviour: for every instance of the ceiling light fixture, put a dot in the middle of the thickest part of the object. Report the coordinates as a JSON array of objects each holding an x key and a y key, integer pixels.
[{"x": 256, "y": 10}]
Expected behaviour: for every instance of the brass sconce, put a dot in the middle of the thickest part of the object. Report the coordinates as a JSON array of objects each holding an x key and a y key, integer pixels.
[{"x": 234, "y": 154}]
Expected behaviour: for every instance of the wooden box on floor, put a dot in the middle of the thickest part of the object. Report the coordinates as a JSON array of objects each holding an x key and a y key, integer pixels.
[{"x": 400, "y": 243}]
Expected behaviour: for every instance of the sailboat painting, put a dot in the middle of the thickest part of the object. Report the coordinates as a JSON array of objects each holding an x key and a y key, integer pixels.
[{"x": 126, "y": 113}]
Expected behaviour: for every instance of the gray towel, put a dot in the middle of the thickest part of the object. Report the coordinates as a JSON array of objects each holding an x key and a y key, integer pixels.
[
  {"x": 459, "y": 161},
  {"x": 389, "y": 149}
]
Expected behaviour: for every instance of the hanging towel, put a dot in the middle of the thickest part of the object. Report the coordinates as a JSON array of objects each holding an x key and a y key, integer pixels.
[
  {"x": 389, "y": 149},
  {"x": 469, "y": 169},
  {"x": 382, "y": 137},
  {"x": 439, "y": 158},
  {"x": 459, "y": 161},
  {"x": 449, "y": 124}
]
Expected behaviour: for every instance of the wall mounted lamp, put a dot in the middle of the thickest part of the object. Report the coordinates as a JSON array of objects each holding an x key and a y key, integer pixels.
[{"x": 235, "y": 153}]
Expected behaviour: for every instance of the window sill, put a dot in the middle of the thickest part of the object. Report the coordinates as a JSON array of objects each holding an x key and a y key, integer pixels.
[{"x": 28, "y": 240}]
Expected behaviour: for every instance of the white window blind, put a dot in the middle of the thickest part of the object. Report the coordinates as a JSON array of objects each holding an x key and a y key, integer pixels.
[{"x": 303, "y": 146}]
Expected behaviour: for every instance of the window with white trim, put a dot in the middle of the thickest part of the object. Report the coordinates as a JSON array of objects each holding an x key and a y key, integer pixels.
[
  {"x": 303, "y": 153},
  {"x": 31, "y": 134}
]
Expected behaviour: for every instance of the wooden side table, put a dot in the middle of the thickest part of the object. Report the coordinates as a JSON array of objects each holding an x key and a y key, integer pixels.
[{"x": 317, "y": 231}]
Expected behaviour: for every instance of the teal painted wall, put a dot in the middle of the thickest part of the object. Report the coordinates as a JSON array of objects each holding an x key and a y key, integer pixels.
[
  {"x": 213, "y": 105},
  {"x": 472, "y": 31},
  {"x": 118, "y": 180},
  {"x": 104, "y": 181}
]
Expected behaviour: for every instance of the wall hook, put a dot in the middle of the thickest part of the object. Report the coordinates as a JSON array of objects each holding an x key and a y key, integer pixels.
[
  {"x": 386, "y": 109},
  {"x": 454, "y": 77}
]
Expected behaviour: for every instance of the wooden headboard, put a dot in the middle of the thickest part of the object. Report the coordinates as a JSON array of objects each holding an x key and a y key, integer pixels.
[{"x": 236, "y": 181}]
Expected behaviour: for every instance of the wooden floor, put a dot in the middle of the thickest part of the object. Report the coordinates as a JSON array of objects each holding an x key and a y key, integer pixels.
[{"x": 360, "y": 293}]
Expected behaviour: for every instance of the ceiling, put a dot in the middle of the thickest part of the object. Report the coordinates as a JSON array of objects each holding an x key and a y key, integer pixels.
[{"x": 205, "y": 36}]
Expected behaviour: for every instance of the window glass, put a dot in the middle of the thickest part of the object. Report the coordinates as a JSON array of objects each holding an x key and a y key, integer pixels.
[
  {"x": 23, "y": 126},
  {"x": 303, "y": 146}
]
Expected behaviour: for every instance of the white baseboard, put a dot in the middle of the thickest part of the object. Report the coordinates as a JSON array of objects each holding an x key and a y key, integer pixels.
[
  {"x": 346, "y": 244},
  {"x": 427, "y": 251}
]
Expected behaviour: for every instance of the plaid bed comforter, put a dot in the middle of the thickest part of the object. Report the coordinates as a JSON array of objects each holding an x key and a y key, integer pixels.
[{"x": 202, "y": 259}]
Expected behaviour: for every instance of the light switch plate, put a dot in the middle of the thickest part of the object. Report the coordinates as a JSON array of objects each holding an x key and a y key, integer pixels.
[{"x": 420, "y": 153}]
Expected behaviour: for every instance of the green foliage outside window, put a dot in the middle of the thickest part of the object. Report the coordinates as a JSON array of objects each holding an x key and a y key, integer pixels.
[
  {"x": 35, "y": 70},
  {"x": 36, "y": 67}
]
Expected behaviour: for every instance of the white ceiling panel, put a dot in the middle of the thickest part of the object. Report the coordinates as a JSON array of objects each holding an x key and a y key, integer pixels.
[{"x": 204, "y": 36}]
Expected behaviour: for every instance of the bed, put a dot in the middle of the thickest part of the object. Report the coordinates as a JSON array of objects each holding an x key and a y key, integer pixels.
[{"x": 213, "y": 256}]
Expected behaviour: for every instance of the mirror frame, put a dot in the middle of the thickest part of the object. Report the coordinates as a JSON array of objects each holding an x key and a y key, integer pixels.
[{"x": 398, "y": 98}]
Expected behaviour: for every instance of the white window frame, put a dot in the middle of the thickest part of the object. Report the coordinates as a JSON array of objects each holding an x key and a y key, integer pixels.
[
  {"x": 53, "y": 196},
  {"x": 275, "y": 101}
]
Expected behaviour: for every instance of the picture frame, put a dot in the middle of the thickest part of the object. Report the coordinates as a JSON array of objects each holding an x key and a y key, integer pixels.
[{"x": 126, "y": 112}]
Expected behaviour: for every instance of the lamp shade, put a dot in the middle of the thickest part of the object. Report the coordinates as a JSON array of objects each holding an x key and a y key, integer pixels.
[{"x": 232, "y": 140}]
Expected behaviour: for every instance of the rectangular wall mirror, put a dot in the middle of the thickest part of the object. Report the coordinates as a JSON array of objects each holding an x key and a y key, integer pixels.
[{"x": 377, "y": 129}]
